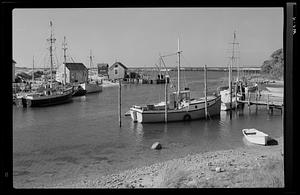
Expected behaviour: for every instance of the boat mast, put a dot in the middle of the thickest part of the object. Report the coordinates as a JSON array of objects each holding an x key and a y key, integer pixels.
[
  {"x": 33, "y": 69},
  {"x": 91, "y": 58},
  {"x": 233, "y": 58},
  {"x": 205, "y": 90},
  {"x": 178, "y": 71},
  {"x": 230, "y": 68},
  {"x": 65, "y": 59},
  {"x": 51, "y": 40},
  {"x": 91, "y": 63}
]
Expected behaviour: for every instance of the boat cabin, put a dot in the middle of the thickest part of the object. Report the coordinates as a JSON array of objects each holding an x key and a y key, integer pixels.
[{"x": 175, "y": 99}]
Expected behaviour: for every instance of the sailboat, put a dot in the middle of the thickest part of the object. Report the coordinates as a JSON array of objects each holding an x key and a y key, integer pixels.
[
  {"x": 180, "y": 107},
  {"x": 91, "y": 86},
  {"x": 50, "y": 95},
  {"x": 228, "y": 98}
]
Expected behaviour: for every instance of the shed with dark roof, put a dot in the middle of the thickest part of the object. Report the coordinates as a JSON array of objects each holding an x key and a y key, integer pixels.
[
  {"x": 75, "y": 72},
  {"x": 117, "y": 71},
  {"x": 13, "y": 70},
  {"x": 102, "y": 69}
]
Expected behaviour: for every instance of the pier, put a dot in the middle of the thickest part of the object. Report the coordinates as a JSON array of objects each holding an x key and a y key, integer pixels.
[
  {"x": 264, "y": 98},
  {"x": 252, "y": 69}
]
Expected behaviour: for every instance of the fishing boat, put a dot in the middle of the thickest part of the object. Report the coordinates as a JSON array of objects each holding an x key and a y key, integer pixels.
[
  {"x": 187, "y": 109},
  {"x": 255, "y": 136},
  {"x": 92, "y": 87},
  {"x": 225, "y": 100},
  {"x": 51, "y": 94},
  {"x": 78, "y": 91},
  {"x": 48, "y": 98},
  {"x": 228, "y": 97},
  {"x": 180, "y": 107}
]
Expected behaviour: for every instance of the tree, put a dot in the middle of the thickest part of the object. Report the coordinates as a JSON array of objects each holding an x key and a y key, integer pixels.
[{"x": 274, "y": 67}]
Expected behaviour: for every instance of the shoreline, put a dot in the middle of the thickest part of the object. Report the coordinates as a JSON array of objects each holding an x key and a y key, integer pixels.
[{"x": 246, "y": 166}]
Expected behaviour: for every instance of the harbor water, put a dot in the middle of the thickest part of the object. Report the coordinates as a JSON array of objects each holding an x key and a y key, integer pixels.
[{"x": 82, "y": 138}]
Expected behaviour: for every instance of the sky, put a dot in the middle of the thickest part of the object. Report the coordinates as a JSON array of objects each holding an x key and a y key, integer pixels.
[{"x": 137, "y": 36}]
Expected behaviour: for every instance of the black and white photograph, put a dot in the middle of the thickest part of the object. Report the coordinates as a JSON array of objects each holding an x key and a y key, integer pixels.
[{"x": 148, "y": 97}]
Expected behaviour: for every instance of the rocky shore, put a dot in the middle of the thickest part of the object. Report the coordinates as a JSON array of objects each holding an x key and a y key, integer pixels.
[{"x": 247, "y": 166}]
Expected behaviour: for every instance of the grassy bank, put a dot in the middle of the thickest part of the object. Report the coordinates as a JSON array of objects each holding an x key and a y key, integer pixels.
[{"x": 249, "y": 166}]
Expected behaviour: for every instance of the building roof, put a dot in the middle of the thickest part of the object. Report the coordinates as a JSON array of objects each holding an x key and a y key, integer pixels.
[
  {"x": 119, "y": 64},
  {"x": 102, "y": 64},
  {"x": 76, "y": 66}
]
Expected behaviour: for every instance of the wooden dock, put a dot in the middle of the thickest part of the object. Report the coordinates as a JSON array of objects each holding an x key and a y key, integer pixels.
[{"x": 264, "y": 98}]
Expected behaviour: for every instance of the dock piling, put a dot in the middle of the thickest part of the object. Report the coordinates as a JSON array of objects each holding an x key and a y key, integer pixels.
[
  {"x": 205, "y": 91},
  {"x": 268, "y": 108},
  {"x": 166, "y": 100},
  {"x": 120, "y": 123}
]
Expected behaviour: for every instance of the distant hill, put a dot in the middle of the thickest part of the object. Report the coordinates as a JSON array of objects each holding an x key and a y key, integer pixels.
[{"x": 275, "y": 65}]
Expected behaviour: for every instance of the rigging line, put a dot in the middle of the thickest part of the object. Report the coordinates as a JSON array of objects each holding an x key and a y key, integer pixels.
[
  {"x": 57, "y": 65},
  {"x": 184, "y": 75},
  {"x": 39, "y": 60},
  {"x": 172, "y": 87}
]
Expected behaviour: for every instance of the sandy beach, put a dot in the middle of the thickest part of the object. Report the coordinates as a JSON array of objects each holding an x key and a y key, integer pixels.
[
  {"x": 248, "y": 166},
  {"x": 106, "y": 83}
]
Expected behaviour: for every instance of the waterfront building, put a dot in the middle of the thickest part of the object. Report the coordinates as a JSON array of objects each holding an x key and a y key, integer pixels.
[
  {"x": 75, "y": 72},
  {"x": 117, "y": 71},
  {"x": 102, "y": 69},
  {"x": 13, "y": 70}
]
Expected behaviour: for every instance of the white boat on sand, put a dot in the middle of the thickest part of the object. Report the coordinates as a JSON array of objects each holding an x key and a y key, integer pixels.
[{"x": 255, "y": 136}]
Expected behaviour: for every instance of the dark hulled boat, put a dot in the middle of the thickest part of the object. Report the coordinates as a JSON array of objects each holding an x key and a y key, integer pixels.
[
  {"x": 79, "y": 91},
  {"x": 47, "y": 98}
]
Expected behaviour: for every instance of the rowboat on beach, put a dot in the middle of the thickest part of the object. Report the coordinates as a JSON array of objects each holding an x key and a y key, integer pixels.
[{"x": 255, "y": 136}]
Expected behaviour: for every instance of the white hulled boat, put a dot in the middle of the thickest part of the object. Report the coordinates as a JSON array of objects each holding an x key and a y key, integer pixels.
[
  {"x": 92, "y": 87},
  {"x": 188, "y": 109},
  {"x": 255, "y": 136},
  {"x": 180, "y": 106},
  {"x": 229, "y": 100},
  {"x": 225, "y": 100}
]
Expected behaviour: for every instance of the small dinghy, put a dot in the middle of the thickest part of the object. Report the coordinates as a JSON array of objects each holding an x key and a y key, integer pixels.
[{"x": 255, "y": 136}]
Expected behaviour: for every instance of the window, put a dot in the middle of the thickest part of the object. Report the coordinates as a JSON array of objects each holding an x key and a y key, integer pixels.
[{"x": 116, "y": 71}]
